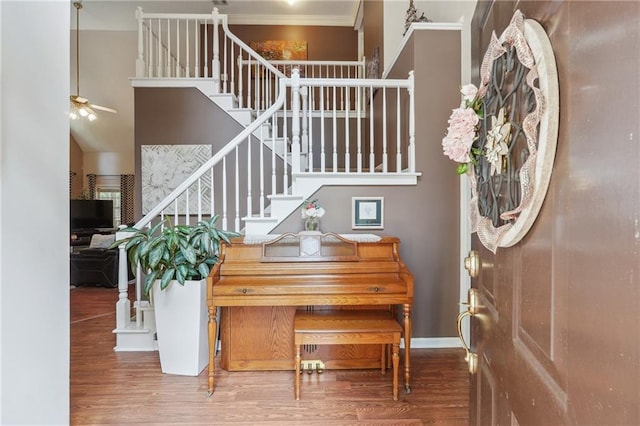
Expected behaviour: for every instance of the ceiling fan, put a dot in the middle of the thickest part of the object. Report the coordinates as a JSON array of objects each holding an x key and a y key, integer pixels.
[{"x": 80, "y": 107}]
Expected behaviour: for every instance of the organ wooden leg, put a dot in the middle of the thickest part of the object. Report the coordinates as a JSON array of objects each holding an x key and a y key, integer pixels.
[
  {"x": 297, "y": 373},
  {"x": 406, "y": 312},
  {"x": 396, "y": 362},
  {"x": 213, "y": 338}
]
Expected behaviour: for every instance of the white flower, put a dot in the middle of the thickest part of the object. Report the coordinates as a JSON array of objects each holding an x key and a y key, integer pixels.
[
  {"x": 497, "y": 139},
  {"x": 310, "y": 208},
  {"x": 469, "y": 92}
]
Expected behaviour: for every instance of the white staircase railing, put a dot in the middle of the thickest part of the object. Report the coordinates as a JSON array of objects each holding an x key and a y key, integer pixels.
[
  {"x": 309, "y": 131},
  {"x": 186, "y": 46}
]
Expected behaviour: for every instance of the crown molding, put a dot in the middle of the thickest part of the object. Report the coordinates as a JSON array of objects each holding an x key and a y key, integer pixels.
[{"x": 325, "y": 20}]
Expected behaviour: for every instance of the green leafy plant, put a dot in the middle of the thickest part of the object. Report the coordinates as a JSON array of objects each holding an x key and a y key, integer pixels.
[{"x": 169, "y": 252}]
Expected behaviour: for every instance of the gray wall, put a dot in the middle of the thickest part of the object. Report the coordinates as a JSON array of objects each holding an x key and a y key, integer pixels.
[{"x": 425, "y": 217}]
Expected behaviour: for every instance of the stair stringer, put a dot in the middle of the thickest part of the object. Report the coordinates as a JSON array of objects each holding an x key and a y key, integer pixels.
[{"x": 306, "y": 184}]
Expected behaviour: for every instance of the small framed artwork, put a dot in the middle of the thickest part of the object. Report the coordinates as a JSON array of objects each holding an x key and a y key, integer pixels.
[{"x": 367, "y": 212}]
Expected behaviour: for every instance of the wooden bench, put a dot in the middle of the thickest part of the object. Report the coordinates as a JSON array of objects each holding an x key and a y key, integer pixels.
[{"x": 344, "y": 328}]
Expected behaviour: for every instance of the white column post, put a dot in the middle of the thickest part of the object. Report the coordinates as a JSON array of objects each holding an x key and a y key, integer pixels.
[
  {"x": 295, "y": 121},
  {"x": 215, "y": 62},
  {"x": 240, "y": 78},
  {"x": 304, "y": 93},
  {"x": 412, "y": 124}
]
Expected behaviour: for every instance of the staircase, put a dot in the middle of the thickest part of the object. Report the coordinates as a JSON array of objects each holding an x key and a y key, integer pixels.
[{"x": 306, "y": 124}]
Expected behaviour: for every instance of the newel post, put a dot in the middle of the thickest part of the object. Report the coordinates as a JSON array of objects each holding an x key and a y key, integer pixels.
[
  {"x": 140, "y": 67},
  {"x": 304, "y": 140},
  {"x": 123, "y": 306},
  {"x": 215, "y": 61},
  {"x": 295, "y": 121},
  {"x": 240, "y": 80}
]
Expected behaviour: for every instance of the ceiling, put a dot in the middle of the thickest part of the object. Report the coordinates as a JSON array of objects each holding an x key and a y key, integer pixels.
[{"x": 108, "y": 52}]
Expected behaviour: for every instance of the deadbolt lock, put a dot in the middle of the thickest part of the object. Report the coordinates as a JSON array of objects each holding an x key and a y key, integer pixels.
[{"x": 472, "y": 263}]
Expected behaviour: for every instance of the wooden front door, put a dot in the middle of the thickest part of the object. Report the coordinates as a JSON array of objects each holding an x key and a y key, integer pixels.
[{"x": 557, "y": 332}]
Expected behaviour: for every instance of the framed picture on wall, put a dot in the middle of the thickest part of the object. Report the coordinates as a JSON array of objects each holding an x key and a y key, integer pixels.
[{"x": 367, "y": 212}]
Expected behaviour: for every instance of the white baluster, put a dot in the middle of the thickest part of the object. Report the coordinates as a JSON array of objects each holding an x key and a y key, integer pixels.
[
  {"x": 159, "y": 59},
  {"x": 274, "y": 134},
  {"x": 224, "y": 77},
  {"x": 304, "y": 141},
  {"x": 187, "y": 210},
  {"x": 384, "y": 130},
  {"x": 372, "y": 162},
  {"x": 168, "y": 50},
  {"x": 188, "y": 53},
  {"x": 205, "y": 74},
  {"x": 199, "y": 201},
  {"x": 398, "y": 137},
  {"x": 237, "y": 186},
  {"x": 140, "y": 65},
  {"x": 212, "y": 191},
  {"x": 347, "y": 138},
  {"x": 240, "y": 98},
  {"x": 249, "y": 81},
  {"x": 196, "y": 52},
  {"x": 412, "y": 124},
  {"x": 224, "y": 193},
  {"x": 233, "y": 69},
  {"x": 249, "y": 167},
  {"x": 359, "y": 129},
  {"x": 311, "y": 103},
  {"x": 323, "y": 158},
  {"x": 176, "y": 212},
  {"x": 262, "y": 195},
  {"x": 215, "y": 63},
  {"x": 335, "y": 131},
  {"x": 178, "y": 71},
  {"x": 256, "y": 92},
  {"x": 285, "y": 134},
  {"x": 149, "y": 49},
  {"x": 295, "y": 121}
]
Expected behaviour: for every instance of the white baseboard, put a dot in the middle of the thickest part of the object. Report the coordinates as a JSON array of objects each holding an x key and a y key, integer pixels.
[{"x": 434, "y": 342}]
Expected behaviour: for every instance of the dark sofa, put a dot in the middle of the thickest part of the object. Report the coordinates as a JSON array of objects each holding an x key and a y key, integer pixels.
[{"x": 96, "y": 265}]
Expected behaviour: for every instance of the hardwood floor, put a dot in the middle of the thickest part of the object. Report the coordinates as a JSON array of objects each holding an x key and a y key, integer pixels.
[{"x": 124, "y": 388}]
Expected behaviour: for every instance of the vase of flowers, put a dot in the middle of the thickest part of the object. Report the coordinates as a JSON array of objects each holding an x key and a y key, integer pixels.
[{"x": 311, "y": 212}]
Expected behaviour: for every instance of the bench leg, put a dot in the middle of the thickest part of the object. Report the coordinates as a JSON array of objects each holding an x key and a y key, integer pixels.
[
  {"x": 297, "y": 373},
  {"x": 383, "y": 359},
  {"x": 396, "y": 363}
]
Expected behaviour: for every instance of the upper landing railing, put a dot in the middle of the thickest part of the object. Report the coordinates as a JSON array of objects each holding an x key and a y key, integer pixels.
[{"x": 201, "y": 46}]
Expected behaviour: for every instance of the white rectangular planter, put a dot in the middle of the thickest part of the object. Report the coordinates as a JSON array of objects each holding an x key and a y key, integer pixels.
[{"x": 181, "y": 320}]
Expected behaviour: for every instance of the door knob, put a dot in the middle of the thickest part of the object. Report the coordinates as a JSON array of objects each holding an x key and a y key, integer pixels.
[
  {"x": 472, "y": 310},
  {"x": 472, "y": 263}
]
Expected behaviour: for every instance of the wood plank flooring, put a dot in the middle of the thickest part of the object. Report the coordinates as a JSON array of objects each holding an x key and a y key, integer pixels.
[{"x": 125, "y": 388}]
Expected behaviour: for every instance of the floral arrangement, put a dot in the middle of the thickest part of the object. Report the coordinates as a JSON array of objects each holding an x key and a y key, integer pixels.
[
  {"x": 311, "y": 208},
  {"x": 462, "y": 132}
]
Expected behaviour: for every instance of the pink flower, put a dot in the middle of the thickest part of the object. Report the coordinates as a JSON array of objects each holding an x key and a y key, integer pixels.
[
  {"x": 469, "y": 92},
  {"x": 460, "y": 134}
]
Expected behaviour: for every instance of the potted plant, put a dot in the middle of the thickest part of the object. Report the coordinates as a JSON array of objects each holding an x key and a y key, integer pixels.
[{"x": 176, "y": 260}]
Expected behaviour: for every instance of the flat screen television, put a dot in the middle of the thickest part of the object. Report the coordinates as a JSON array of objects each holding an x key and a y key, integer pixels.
[{"x": 91, "y": 214}]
